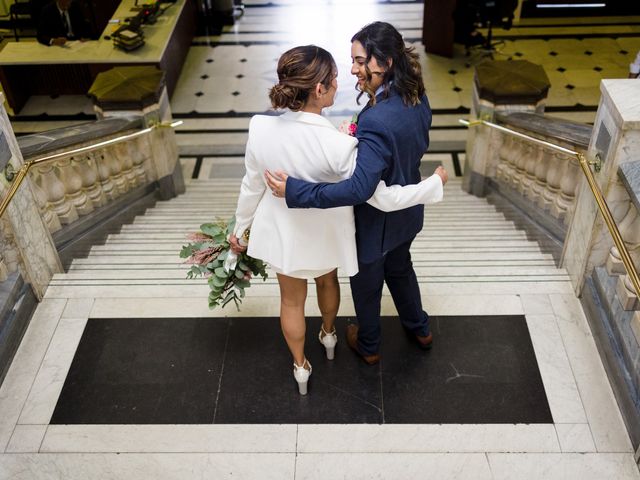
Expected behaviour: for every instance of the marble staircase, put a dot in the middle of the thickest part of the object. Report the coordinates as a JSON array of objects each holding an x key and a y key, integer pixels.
[{"x": 467, "y": 251}]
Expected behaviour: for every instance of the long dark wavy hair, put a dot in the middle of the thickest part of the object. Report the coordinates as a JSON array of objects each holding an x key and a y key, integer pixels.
[{"x": 384, "y": 43}]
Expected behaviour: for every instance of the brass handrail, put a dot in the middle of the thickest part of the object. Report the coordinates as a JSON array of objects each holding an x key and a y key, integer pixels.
[
  {"x": 595, "y": 190},
  {"x": 24, "y": 169}
]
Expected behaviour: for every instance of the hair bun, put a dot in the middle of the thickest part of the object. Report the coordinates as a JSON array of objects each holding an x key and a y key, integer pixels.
[
  {"x": 285, "y": 96},
  {"x": 276, "y": 89},
  {"x": 300, "y": 69}
]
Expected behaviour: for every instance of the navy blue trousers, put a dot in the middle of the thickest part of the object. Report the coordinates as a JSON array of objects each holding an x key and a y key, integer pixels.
[{"x": 396, "y": 269}]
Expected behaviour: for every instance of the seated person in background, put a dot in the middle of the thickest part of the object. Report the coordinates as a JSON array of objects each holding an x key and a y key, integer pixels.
[
  {"x": 464, "y": 25},
  {"x": 470, "y": 14},
  {"x": 62, "y": 20}
]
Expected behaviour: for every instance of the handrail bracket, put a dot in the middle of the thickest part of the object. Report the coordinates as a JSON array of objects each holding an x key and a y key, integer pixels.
[{"x": 597, "y": 163}]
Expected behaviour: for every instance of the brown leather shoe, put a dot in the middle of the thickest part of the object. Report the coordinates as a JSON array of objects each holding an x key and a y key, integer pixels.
[
  {"x": 425, "y": 343},
  {"x": 352, "y": 341}
]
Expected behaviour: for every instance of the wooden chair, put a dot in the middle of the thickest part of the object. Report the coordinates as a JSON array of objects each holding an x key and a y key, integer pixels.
[{"x": 20, "y": 17}]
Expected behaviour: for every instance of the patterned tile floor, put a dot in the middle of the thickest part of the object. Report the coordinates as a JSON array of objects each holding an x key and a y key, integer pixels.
[
  {"x": 233, "y": 71},
  {"x": 228, "y": 75}
]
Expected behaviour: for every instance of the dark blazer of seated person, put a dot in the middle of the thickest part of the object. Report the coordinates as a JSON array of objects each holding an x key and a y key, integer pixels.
[{"x": 52, "y": 28}]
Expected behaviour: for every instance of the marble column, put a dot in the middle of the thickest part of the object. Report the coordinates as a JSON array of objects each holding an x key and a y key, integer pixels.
[
  {"x": 616, "y": 140},
  {"x": 500, "y": 87},
  {"x": 39, "y": 259}
]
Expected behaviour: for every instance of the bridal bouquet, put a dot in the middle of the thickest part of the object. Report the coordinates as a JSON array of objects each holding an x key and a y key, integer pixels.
[{"x": 210, "y": 256}]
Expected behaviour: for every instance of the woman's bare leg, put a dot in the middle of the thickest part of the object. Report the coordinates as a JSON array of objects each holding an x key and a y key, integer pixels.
[
  {"x": 328, "y": 290},
  {"x": 293, "y": 293}
]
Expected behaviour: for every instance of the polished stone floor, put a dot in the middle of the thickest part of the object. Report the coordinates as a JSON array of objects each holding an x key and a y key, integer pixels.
[{"x": 471, "y": 262}]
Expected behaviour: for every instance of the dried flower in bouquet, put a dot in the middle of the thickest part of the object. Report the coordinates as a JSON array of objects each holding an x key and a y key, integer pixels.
[{"x": 210, "y": 256}]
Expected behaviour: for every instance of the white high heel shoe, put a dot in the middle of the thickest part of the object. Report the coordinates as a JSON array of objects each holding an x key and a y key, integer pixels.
[
  {"x": 302, "y": 375},
  {"x": 329, "y": 340}
]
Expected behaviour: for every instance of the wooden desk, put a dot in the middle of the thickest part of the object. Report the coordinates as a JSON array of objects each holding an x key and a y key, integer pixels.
[
  {"x": 29, "y": 68},
  {"x": 438, "y": 27}
]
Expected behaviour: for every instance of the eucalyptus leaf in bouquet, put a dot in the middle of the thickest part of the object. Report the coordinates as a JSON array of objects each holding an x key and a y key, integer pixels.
[{"x": 210, "y": 256}]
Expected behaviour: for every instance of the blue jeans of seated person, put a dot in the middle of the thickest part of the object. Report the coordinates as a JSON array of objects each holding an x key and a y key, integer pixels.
[{"x": 396, "y": 269}]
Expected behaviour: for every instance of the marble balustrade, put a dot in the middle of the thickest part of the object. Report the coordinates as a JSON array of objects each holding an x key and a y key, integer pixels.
[
  {"x": 544, "y": 177},
  {"x": 551, "y": 180},
  {"x": 76, "y": 185}
]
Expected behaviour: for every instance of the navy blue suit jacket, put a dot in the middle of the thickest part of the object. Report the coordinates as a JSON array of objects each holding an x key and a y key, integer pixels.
[{"x": 392, "y": 139}]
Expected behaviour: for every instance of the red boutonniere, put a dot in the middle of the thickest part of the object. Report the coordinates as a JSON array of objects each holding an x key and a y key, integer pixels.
[{"x": 350, "y": 127}]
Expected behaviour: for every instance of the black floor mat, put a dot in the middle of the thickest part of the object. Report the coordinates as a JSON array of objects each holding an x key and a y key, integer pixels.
[{"x": 239, "y": 370}]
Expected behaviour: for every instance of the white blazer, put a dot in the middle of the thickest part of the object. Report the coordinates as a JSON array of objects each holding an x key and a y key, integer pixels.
[{"x": 306, "y": 243}]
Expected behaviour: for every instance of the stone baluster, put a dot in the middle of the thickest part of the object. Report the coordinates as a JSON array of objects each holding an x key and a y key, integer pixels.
[
  {"x": 526, "y": 153},
  {"x": 116, "y": 173},
  {"x": 540, "y": 184},
  {"x": 88, "y": 171},
  {"x": 629, "y": 228},
  {"x": 123, "y": 151},
  {"x": 563, "y": 164},
  {"x": 132, "y": 176},
  {"x": 614, "y": 262},
  {"x": 139, "y": 158},
  {"x": 626, "y": 293},
  {"x": 8, "y": 248},
  {"x": 55, "y": 189},
  {"x": 143, "y": 158},
  {"x": 565, "y": 201},
  {"x": 4, "y": 271},
  {"x": 554, "y": 178},
  {"x": 104, "y": 176},
  {"x": 529, "y": 179},
  {"x": 512, "y": 156},
  {"x": 512, "y": 170},
  {"x": 507, "y": 166},
  {"x": 73, "y": 186},
  {"x": 502, "y": 170},
  {"x": 520, "y": 162},
  {"x": 50, "y": 217}
]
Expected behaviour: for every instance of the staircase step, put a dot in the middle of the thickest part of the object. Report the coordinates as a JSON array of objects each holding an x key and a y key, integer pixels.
[{"x": 467, "y": 247}]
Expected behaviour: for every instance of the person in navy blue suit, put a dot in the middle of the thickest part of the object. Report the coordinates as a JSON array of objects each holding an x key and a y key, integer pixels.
[{"x": 393, "y": 134}]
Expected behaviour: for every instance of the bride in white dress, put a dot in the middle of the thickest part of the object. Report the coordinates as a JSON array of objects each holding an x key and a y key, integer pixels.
[{"x": 303, "y": 244}]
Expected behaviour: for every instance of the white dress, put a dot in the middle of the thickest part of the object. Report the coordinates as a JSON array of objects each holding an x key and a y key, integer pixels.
[{"x": 307, "y": 243}]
